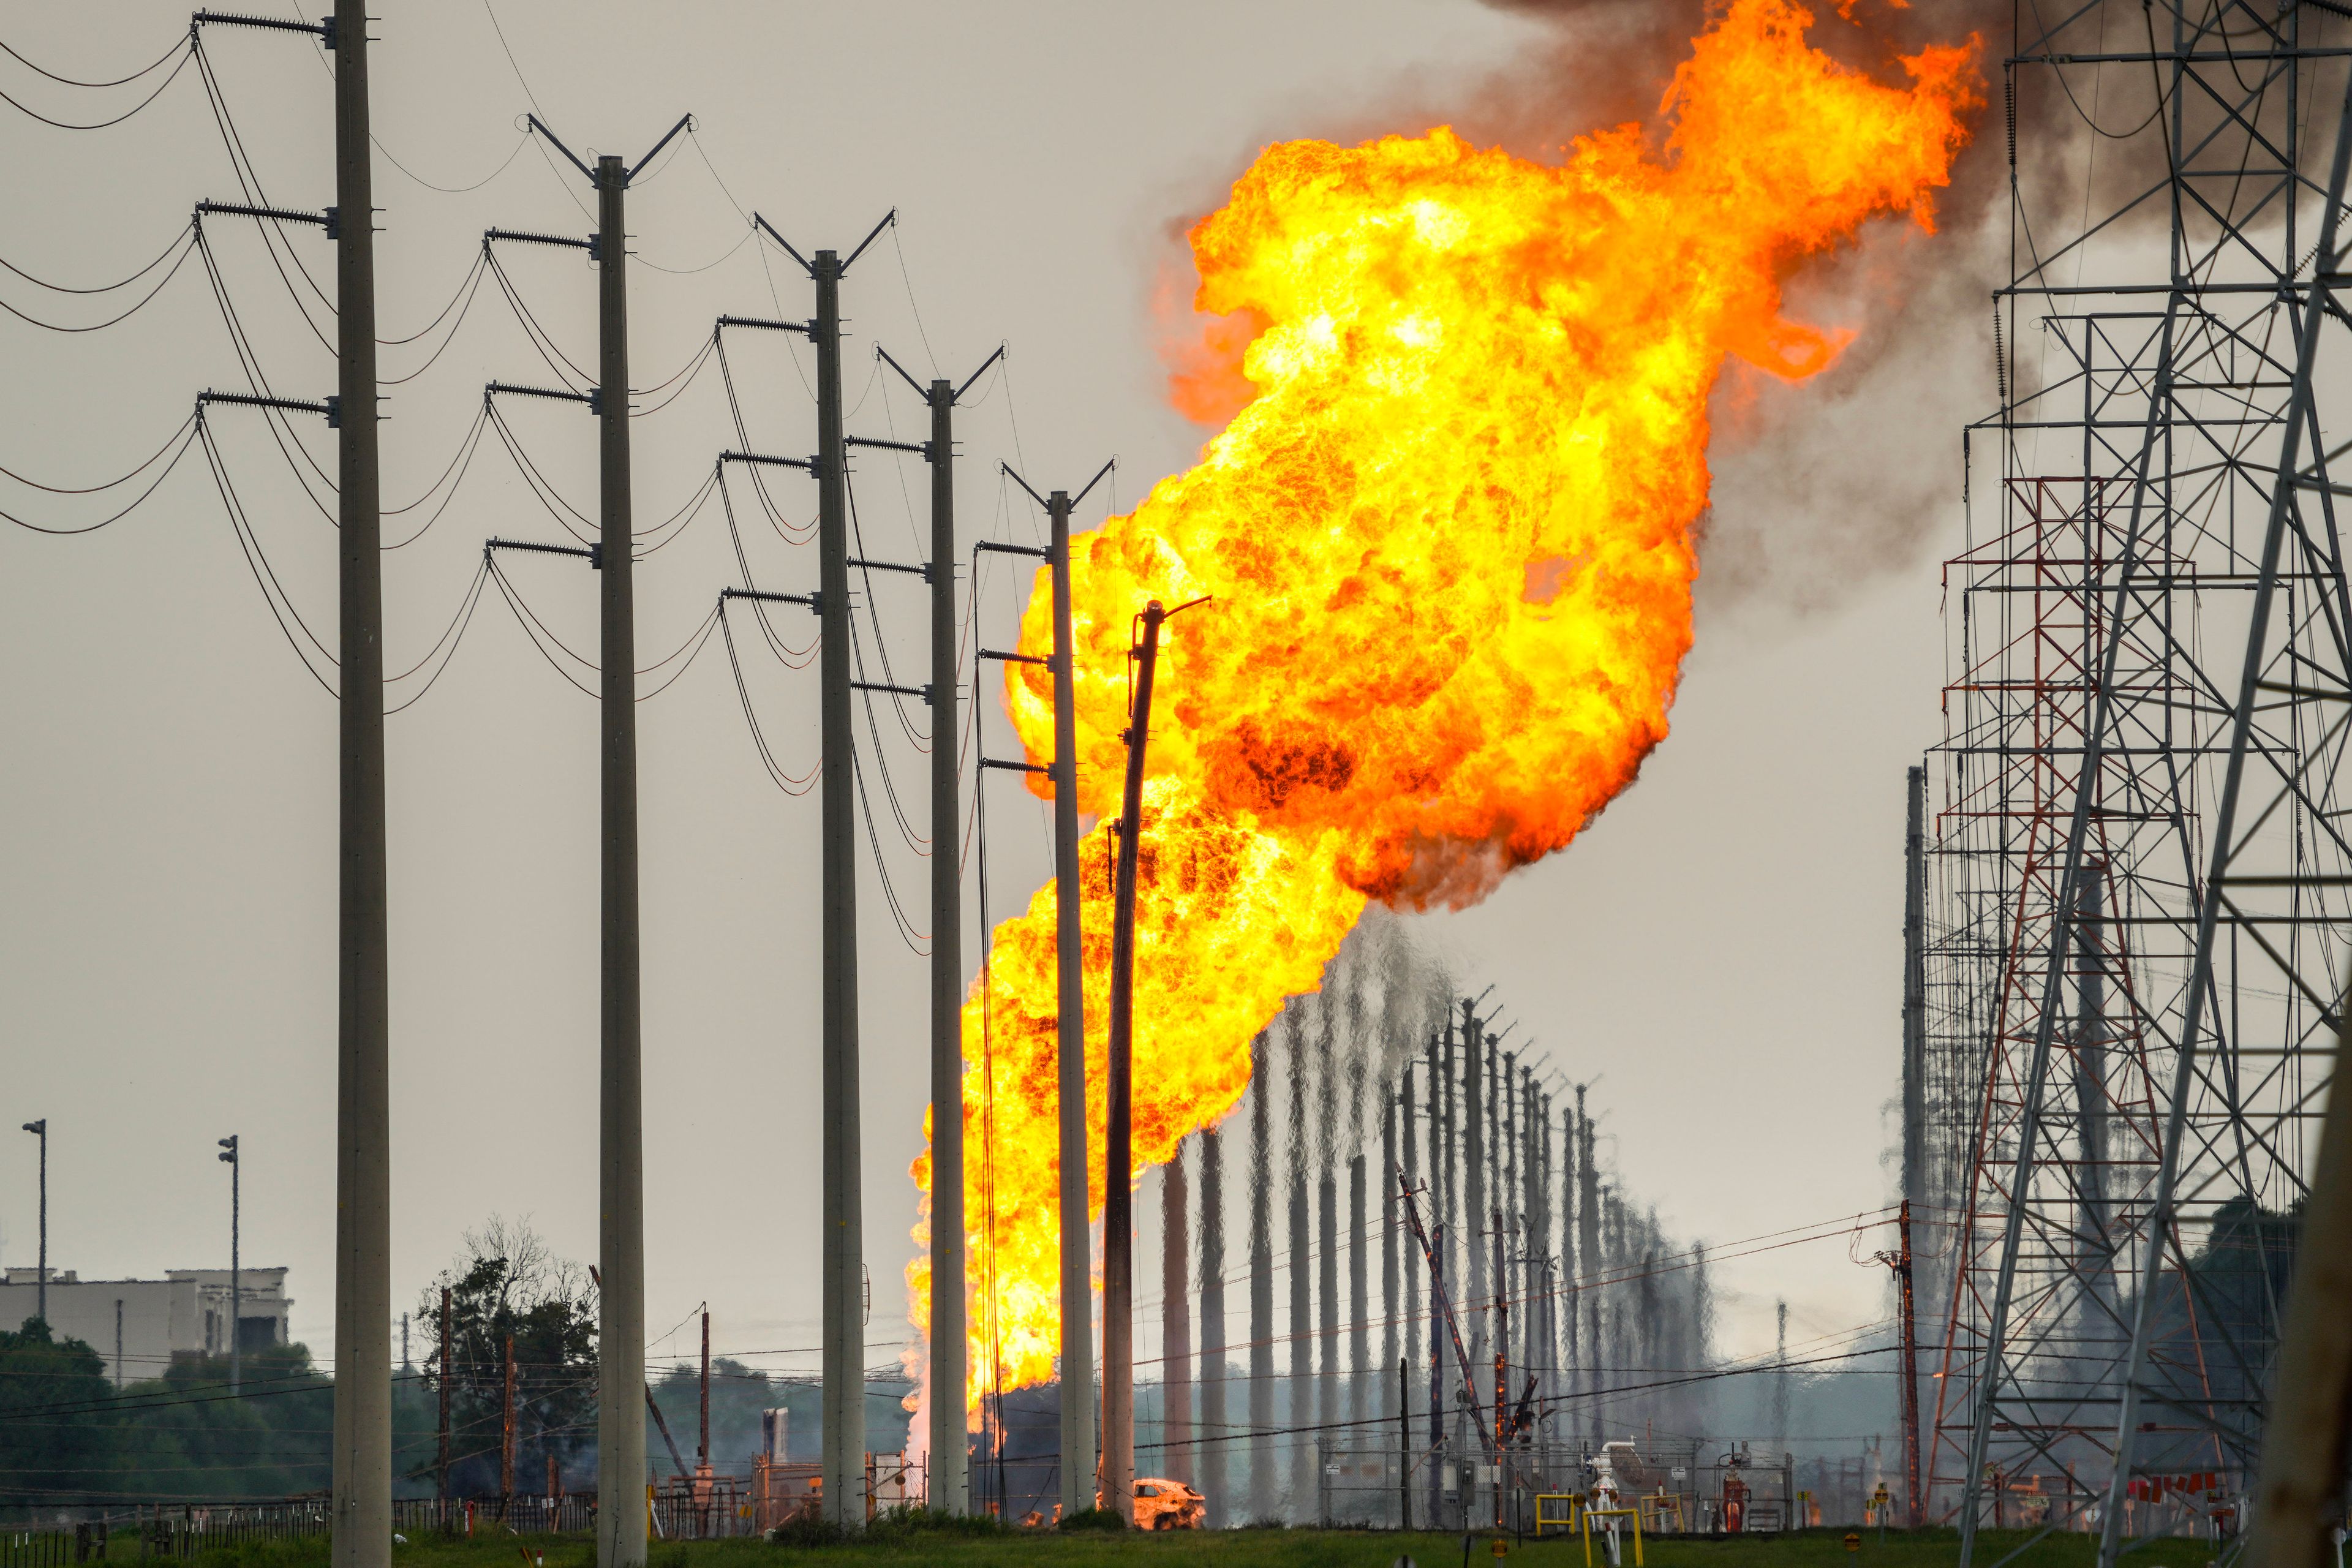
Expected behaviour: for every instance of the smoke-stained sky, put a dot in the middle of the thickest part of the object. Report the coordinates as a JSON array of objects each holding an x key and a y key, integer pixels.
[{"x": 1720, "y": 951}]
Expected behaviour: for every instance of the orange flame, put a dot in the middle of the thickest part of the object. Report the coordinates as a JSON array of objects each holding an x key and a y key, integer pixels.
[{"x": 1449, "y": 542}]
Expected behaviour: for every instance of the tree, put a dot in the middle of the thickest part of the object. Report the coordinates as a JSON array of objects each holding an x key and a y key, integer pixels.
[
  {"x": 193, "y": 1439},
  {"x": 57, "y": 1428},
  {"x": 508, "y": 1283}
]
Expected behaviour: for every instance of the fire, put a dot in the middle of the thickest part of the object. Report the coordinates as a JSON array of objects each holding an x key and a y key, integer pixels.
[{"x": 1448, "y": 542}]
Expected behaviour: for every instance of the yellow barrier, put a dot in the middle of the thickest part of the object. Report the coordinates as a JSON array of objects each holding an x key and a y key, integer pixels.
[
  {"x": 1655, "y": 1508},
  {"x": 1573, "y": 1500},
  {"x": 1586, "y": 1516}
]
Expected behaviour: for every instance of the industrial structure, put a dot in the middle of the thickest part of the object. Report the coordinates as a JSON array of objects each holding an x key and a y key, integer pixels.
[
  {"x": 1402, "y": 1282},
  {"x": 138, "y": 1327},
  {"x": 2129, "y": 971}
]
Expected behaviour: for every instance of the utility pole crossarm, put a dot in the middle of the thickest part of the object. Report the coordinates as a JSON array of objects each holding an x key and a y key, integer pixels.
[
  {"x": 592, "y": 397},
  {"x": 331, "y": 407},
  {"x": 922, "y": 571},
  {"x": 922, "y": 691},
  {"x": 1091, "y": 484},
  {"x": 585, "y": 552},
  {"x": 684, "y": 122},
  {"x": 976, "y": 374},
  {"x": 805, "y": 329},
  {"x": 873, "y": 234},
  {"x": 527, "y": 236},
  {"x": 762, "y": 224},
  {"x": 323, "y": 31},
  {"x": 325, "y": 220},
  {"x": 536, "y": 123},
  {"x": 805, "y": 465},
  {"x": 1012, "y": 474},
  {"x": 813, "y": 601},
  {"x": 920, "y": 450}
]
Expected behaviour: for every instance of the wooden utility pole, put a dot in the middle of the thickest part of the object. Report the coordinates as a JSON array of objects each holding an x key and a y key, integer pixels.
[
  {"x": 1404, "y": 1445},
  {"x": 506, "y": 1434},
  {"x": 1119, "y": 1179},
  {"x": 441, "y": 1466},
  {"x": 1914, "y": 1503},
  {"x": 702, "y": 1444}
]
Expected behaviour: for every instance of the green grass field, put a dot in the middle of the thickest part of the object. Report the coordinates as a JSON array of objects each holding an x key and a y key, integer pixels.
[{"x": 1223, "y": 1549}]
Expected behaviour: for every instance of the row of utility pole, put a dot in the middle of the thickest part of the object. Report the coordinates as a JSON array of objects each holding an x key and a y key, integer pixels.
[
  {"x": 1470, "y": 1131},
  {"x": 362, "y": 1470}
]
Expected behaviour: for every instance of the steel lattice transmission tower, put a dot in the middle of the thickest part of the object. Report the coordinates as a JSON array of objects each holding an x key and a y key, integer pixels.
[{"x": 2141, "y": 901}]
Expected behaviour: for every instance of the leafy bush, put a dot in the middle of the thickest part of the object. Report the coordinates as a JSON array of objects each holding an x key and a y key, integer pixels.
[{"x": 1097, "y": 1519}]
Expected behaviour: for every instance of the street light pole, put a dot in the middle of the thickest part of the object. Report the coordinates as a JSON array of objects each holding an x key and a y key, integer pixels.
[
  {"x": 41, "y": 1299},
  {"x": 236, "y": 1279}
]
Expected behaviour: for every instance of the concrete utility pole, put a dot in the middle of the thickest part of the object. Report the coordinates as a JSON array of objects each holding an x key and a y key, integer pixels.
[
  {"x": 360, "y": 1489},
  {"x": 1261, "y": 1283},
  {"x": 1327, "y": 1281},
  {"x": 41, "y": 1274},
  {"x": 845, "y": 1473},
  {"x": 1390, "y": 1350},
  {"x": 844, "y": 1197},
  {"x": 1077, "y": 1289},
  {"x": 1215, "y": 1473},
  {"x": 620, "y": 1269},
  {"x": 236, "y": 1275},
  {"x": 1474, "y": 1133},
  {"x": 1176, "y": 1318},
  {"x": 1359, "y": 1395},
  {"x": 1119, "y": 1170},
  {"x": 363, "y": 1462},
  {"x": 950, "y": 1484},
  {"x": 1588, "y": 1251},
  {"x": 360, "y": 1507},
  {"x": 949, "y": 1489},
  {"x": 1078, "y": 1364},
  {"x": 1410, "y": 1117},
  {"x": 1302, "y": 1278},
  {"x": 621, "y": 1235}
]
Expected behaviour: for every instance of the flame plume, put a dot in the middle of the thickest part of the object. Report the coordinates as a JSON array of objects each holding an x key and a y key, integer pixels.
[{"x": 1449, "y": 542}]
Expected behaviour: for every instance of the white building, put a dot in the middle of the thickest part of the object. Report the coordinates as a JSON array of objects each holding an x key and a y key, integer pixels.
[{"x": 139, "y": 1326}]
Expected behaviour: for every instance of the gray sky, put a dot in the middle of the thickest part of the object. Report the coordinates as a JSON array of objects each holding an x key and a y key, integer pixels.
[{"x": 1721, "y": 949}]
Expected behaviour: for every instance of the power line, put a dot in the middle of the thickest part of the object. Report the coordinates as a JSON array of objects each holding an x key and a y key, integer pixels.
[
  {"x": 183, "y": 246},
  {"x": 103, "y": 124},
  {"x": 178, "y": 44}
]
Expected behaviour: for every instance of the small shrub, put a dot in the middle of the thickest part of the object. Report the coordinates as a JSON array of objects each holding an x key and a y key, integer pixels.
[
  {"x": 900, "y": 1523},
  {"x": 807, "y": 1530},
  {"x": 1097, "y": 1519}
]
